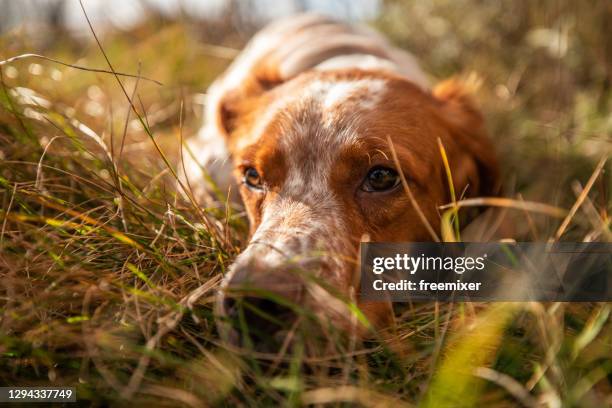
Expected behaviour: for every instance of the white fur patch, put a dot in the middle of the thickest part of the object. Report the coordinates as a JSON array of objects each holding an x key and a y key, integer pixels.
[
  {"x": 360, "y": 61},
  {"x": 331, "y": 97},
  {"x": 332, "y": 94},
  {"x": 339, "y": 92}
]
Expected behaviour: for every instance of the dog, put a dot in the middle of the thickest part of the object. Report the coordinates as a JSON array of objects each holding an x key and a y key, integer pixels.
[{"x": 300, "y": 125}]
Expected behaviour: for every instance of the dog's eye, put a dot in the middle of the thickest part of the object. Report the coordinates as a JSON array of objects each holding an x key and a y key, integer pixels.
[
  {"x": 252, "y": 179},
  {"x": 380, "y": 179}
]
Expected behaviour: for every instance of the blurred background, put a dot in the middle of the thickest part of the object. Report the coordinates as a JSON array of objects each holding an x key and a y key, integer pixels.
[{"x": 127, "y": 14}]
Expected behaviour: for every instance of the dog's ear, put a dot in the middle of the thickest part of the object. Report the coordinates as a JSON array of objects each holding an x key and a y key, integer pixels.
[
  {"x": 471, "y": 154},
  {"x": 225, "y": 104}
]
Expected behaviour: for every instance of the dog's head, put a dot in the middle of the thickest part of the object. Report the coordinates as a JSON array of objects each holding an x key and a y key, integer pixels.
[{"x": 317, "y": 175}]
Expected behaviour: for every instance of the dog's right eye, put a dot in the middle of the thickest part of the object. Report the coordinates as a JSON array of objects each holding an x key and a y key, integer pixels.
[{"x": 252, "y": 179}]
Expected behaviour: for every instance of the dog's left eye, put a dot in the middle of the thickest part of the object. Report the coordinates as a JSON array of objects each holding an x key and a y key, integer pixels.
[
  {"x": 380, "y": 179},
  {"x": 252, "y": 179}
]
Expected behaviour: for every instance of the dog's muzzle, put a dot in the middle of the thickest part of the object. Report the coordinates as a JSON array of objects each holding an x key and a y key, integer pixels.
[{"x": 258, "y": 305}]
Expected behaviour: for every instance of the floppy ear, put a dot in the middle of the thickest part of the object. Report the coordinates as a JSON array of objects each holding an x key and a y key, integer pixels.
[
  {"x": 471, "y": 154},
  {"x": 226, "y": 104}
]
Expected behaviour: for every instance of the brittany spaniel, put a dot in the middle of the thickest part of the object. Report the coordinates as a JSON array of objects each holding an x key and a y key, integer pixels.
[{"x": 300, "y": 125}]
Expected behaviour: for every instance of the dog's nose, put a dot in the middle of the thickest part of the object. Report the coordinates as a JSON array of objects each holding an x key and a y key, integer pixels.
[
  {"x": 284, "y": 284},
  {"x": 258, "y": 323},
  {"x": 259, "y": 308}
]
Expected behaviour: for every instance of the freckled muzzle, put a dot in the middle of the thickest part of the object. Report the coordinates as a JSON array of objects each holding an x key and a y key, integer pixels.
[
  {"x": 269, "y": 293},
  {"x": 279, "y": 284},
  {"x": 259, "y": 304}
]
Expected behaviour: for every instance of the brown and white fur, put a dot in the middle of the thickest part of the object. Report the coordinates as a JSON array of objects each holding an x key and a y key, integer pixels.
[{"x": 310, "y": 104}]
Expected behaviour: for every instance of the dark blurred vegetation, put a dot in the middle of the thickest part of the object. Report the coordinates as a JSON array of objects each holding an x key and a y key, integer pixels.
[
  {"x": 99, "y": 256},
  {"x": 546, "y": 69}
]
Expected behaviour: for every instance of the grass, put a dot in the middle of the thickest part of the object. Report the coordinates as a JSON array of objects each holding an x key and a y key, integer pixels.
[{"x": 108, "y": 276}]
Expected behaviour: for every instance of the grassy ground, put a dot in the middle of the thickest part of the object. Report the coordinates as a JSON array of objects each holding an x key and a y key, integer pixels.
[{"x": 99, "y": 256}]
